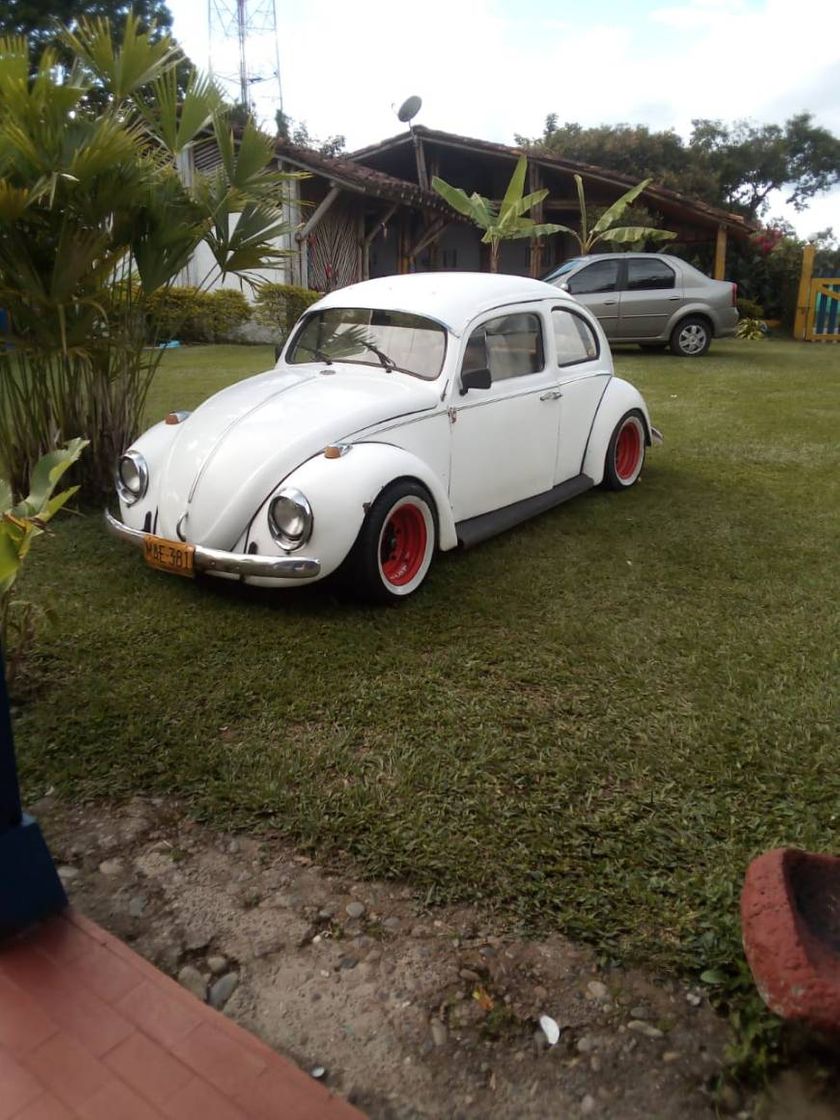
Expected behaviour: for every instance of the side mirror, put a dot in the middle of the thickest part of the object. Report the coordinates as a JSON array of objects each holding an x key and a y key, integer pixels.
[
  {"x": 475, "y": 379},
  {"x": 564, "y": 287}
]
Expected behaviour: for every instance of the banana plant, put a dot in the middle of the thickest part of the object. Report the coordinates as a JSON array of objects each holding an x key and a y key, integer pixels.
[
  {"x": 500, "y": 223},
  {"x": 603, "y": 229},
  {"x": 20, "y": 523}
]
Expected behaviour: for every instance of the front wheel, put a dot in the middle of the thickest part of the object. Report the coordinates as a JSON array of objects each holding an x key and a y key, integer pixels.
[
  {"x": 626, "y": 452},
  {"x": 394, "y": 549},
  {"x": 691, "y": 338}
]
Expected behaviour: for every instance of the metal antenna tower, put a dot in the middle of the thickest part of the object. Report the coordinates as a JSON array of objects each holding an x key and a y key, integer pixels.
[{"x": 244, "y": 49}]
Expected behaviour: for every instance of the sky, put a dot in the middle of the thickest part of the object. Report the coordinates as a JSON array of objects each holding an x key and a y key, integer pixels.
[{"x": 495, "y": 68}]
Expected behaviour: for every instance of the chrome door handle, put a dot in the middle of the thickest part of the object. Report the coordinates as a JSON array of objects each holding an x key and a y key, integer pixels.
[{"x": 552, "y": 395}]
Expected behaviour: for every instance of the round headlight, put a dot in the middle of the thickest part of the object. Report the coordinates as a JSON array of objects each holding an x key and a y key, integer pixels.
[
  {"x": 132, "y": 477},
  {"x": 290, "y": 519}
]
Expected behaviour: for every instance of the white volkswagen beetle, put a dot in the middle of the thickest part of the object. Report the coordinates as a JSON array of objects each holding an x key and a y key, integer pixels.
[{"x": 405, "y": 415}]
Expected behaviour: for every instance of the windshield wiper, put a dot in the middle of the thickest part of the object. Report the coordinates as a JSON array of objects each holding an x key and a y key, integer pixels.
[
  {"x": 387, "y": 363},
  {"x": 320, "y": 356}
]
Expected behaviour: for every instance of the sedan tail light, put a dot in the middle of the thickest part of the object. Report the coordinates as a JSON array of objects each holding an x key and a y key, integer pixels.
[{"x": 734, "y": 295}]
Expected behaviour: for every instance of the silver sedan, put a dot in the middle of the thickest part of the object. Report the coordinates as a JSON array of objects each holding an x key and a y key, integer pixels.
[{"x": 652, "y": 299}]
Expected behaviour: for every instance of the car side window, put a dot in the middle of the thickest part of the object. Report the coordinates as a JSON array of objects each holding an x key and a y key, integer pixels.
[
  {"x": 649, "y": 275},
  {"x": 600, "y": 276},
  {"x": 573, "y": 337},
  {"x": 510, "y": 346}
]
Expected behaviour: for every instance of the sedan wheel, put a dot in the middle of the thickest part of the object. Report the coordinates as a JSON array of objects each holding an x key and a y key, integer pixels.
[
  {"x": 691, "y": 338},
  {"x": 396, "y": 544},
  {"x": 626, "y": 452}
]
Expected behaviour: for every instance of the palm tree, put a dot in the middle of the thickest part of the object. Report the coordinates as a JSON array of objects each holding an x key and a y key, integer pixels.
[
  {"x": 501, "y": 223},
  {"x": 95, "y": 218}
]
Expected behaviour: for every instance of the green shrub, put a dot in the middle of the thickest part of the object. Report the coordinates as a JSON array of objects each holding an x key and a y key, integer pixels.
[
  {"x": 191, "y": 315},
  {"x": 281, "y": 305},
  {"x": 749, "y": 309},
  {"x": 751, "y": 329},
  {"x": 229, "y": 309}
]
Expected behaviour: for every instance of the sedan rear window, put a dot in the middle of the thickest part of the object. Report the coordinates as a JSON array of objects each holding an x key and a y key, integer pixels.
[
  {"x": 647, "y": 275},
  {"x": 370, "y": 336}
]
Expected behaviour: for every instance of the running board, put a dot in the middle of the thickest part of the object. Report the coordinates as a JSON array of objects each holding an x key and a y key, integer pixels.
[{"x": 478, "y": 529}]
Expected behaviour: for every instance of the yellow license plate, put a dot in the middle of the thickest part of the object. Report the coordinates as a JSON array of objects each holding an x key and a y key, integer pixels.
[{"x": 169, "y": 556}]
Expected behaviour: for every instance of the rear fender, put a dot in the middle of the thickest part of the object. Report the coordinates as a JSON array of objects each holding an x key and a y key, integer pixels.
[{"x": 619, "y": 398}]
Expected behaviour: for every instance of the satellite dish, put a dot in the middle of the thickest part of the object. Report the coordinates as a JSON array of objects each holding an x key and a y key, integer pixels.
[{"x": 409, "y": 109}]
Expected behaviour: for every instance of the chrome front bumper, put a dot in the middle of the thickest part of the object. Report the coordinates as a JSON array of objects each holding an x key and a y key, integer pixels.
[{"x": 232, "y": 563}]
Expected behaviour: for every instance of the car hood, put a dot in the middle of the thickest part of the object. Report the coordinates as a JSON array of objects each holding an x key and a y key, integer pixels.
[{"x": 230, "y": 453}]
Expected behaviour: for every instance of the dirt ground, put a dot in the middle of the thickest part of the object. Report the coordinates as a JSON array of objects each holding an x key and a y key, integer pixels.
[{"x": 409, "y": 1013}]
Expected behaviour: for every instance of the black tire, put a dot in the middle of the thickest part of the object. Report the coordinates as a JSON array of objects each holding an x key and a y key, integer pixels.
[
  {"x": 691, "y": 337},
  {"x": 395, "y": 546},
  {"x": 626, "y": 452}
]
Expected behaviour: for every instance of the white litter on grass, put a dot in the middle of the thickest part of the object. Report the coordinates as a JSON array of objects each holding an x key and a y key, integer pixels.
[{"x": 550, "y": 1029}]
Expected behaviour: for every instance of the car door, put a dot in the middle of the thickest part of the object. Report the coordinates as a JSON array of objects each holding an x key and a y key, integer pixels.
[
  {"x": 596, "y": 286},
  {"x": 584, "y": 370},
  {"x": 650, "y": 293},
  {"x": 504, "y": 438}
]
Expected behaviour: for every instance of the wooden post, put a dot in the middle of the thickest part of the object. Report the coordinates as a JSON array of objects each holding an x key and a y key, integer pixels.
[
  {"x": 803, "y": 296},
  {"x": 404, "y": 261},
  {"x": 321, "y": 210},
  {"x": 420, "y": 155},
  {"x": 536, "y": 255},
  {"x": 378, "y": 226},
  {"x": 720, "y": 253}
]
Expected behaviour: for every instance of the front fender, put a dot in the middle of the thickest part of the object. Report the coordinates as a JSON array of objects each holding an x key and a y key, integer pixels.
[
  {"x": 340, "y": 492},
  {"x": 619, "y": 398},
  {"x": 153, "y": 445}
]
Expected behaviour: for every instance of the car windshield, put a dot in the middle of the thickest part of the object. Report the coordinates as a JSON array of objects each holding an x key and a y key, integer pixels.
[
  {"x": 561, "y": 270},
  {"x": 389, "y": 339}
]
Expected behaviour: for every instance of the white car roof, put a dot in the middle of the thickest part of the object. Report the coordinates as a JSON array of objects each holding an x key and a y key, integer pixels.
[{"x": 451, "y": 298}]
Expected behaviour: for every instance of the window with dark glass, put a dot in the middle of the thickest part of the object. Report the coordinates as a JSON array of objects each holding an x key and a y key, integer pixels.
[
  {"x": 647, "y": 275},
  {"x": 510, "y": 346},
  {"x": 600, "y": 276},
  {"x": 573, "y": 338}
]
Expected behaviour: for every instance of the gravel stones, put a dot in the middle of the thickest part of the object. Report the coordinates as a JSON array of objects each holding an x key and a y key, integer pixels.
[
  {"x": 596, "y": 989},
  {"x": 191, "y": 979},
  {"x": 440, "y": 1034},
  {"x": 223, "y": 989},
  {"x": 355, "y": 909},
  {"x": 111, "y": 866},
  {"x": 647, "y": 1029}
]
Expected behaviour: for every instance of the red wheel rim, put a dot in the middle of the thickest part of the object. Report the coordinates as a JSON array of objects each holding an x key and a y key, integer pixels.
[
  {"x": 628, "y": 449},
  {"x": 402, "y": 548}
]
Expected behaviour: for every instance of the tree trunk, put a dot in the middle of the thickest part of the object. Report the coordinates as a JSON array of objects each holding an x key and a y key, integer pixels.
[{"x": 494, "y": 256}]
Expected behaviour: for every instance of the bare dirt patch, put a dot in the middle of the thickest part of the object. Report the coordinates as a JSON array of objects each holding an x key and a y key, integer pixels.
[{"x": 409, "y": 1012}]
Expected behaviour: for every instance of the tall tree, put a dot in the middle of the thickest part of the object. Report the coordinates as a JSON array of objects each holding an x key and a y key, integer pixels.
[
  {"x": 39, "y": 21},
  {"x": 736, "y": 166},
  {"x": 748, "y": 161}
]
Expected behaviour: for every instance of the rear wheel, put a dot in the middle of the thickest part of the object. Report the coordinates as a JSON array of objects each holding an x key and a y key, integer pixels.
[
  {"x": 691, "y": 338},
  {"x": 396, "y": 544},
  {"x": 626, "y": 452}
]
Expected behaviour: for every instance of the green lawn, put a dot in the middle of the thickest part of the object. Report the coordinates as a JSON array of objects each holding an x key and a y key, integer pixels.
[{"x": 592, "y": 722}]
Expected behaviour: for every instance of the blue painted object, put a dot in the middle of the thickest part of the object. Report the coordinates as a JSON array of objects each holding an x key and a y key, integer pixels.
[{"x": 30, "y": 888}]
